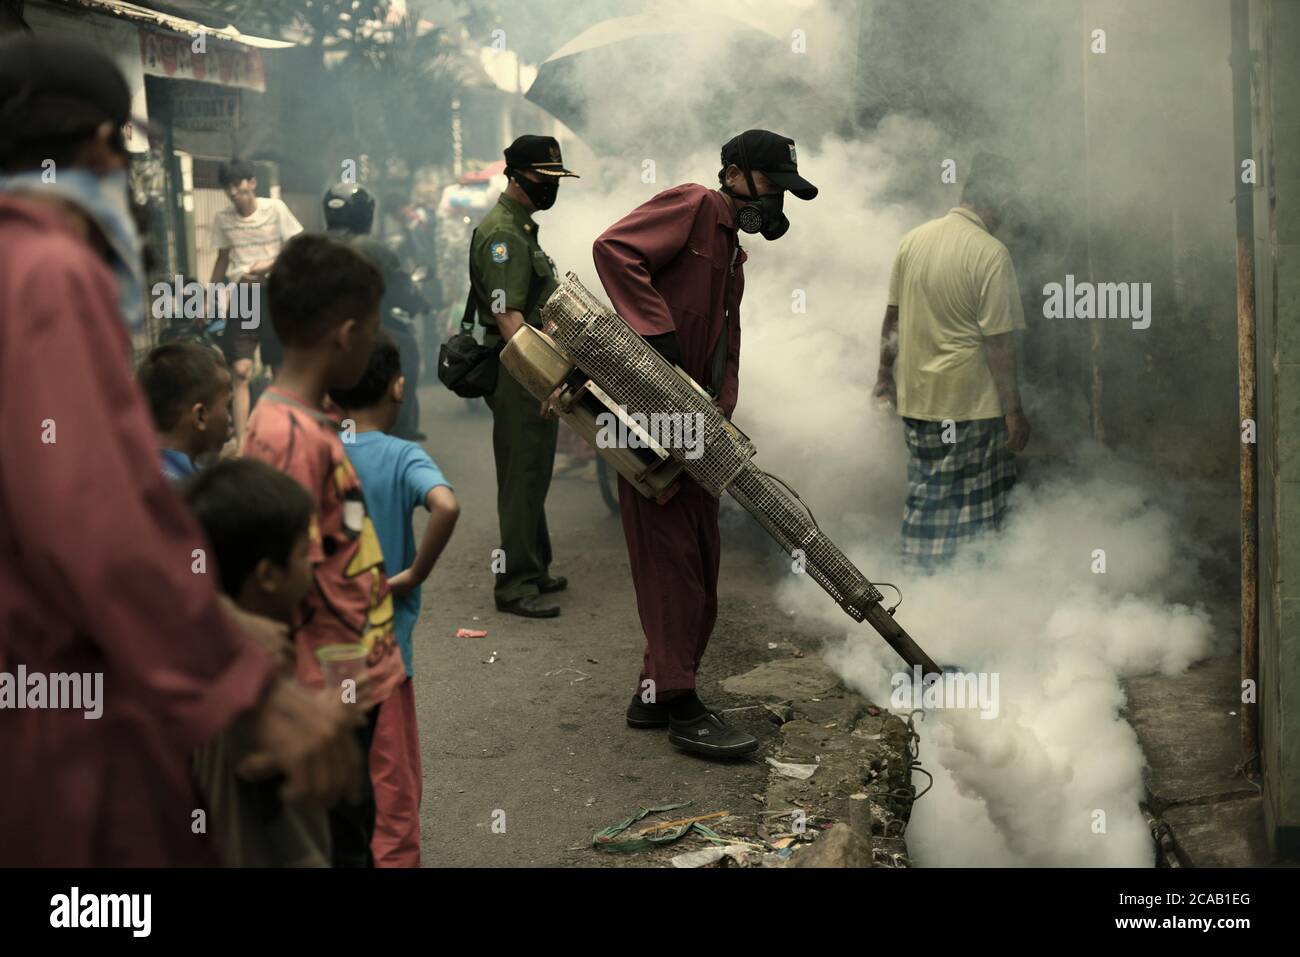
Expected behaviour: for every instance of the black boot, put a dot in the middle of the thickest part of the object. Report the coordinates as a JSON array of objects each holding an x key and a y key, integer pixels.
[{"x": 530, "y": 606}]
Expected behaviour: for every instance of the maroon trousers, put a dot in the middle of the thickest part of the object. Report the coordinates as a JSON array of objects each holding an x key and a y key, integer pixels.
[{"x": 674, "y": 551}]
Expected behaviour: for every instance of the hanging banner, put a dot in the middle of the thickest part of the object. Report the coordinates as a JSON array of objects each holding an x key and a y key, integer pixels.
[
  {"x": 173, "y": 56},
  {"x": 204, "y": 109}
]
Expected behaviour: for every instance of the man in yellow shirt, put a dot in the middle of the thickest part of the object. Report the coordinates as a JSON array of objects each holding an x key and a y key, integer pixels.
[{"x": 948, "y": 362}]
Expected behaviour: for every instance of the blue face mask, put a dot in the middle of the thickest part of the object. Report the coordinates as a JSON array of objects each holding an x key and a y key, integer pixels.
[{"x": 107, "y": 201}]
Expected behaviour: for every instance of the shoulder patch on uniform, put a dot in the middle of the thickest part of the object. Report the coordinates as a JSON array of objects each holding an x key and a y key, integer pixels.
[{"x": 500, "y": 252}]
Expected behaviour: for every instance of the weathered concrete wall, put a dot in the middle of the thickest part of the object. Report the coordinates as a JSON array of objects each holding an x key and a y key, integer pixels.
[
  {"x": 1158, "y": 125},
  {"x": 1275, "y": 42},
  {"x": 1125, "y": 161}
]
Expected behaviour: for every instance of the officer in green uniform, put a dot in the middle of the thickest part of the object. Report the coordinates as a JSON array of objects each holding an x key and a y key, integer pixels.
[{"x": 512, "y": 278}]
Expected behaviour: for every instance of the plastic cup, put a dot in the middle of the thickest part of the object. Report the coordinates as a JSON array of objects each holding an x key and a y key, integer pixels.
[{"x": 341, "y": 662}]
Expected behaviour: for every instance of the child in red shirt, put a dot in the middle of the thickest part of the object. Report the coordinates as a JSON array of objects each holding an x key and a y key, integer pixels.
[{"x": 324, "y": 299}]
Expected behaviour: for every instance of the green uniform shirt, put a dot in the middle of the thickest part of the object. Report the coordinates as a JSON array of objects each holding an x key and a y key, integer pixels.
[{"x": 507, "y": 267}]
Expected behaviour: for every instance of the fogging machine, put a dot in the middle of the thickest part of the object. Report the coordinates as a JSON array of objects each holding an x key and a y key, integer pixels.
[{"x": 600, "y": 371}]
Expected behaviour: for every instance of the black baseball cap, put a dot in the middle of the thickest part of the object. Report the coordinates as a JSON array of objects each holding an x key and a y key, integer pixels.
[
  {"x": 541, "y": 154},
  {"x": 770, "y": 154},
  {"x": 57, "y": 87}
]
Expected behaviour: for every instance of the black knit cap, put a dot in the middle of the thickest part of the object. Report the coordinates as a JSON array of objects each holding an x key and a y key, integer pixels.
[{"x": 57, "y": 87}]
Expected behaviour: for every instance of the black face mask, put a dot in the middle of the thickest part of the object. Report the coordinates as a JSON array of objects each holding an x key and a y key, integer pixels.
[
  {"x": 760, "y": 214},
  {"x": 540, "y": 194}
]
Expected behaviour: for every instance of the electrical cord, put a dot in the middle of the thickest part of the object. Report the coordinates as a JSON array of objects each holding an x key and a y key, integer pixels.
[{"x": 914, "y": 753}]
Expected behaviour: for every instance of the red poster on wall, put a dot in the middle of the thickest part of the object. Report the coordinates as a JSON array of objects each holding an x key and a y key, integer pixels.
[{"x": 218, "y": 61}]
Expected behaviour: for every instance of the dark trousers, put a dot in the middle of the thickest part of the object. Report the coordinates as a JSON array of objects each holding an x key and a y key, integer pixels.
[
  {"x": 353, "y": 825},
  {"x": 523, "y": 444},
  {"x": 674, "y": 550},
  {"x": 408, "y": 416}
]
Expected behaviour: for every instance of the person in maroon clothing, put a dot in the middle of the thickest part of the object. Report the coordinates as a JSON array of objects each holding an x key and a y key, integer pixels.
[
  {"x": 672, "y": 269},
  {"x": 98, "y": 584}
]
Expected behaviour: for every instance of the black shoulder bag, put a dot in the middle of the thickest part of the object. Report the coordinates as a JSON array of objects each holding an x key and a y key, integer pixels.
[{"x": 464, "y": 366}]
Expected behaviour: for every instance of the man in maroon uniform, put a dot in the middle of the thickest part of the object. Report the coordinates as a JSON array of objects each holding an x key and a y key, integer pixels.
[{"x": 672, "y": 269}]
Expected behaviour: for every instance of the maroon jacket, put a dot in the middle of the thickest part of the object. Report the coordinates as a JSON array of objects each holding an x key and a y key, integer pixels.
[
  {"x": 95, "y": 576},
  {"x": 664, "y": 267}
]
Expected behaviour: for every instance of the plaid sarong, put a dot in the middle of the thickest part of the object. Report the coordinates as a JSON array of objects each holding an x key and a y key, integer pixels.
[{"x": 956, "y": 490}]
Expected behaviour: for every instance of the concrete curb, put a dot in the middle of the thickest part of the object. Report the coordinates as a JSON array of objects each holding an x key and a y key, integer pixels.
[{"x": 862, "y": 779}]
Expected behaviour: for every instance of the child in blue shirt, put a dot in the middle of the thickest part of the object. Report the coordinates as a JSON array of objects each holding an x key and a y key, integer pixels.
[
  {"x": 397, "y": 477},
  {"x": 188, "y": 388}
]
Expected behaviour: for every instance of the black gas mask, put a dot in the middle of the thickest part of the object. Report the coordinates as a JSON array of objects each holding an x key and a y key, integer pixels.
[
  {"x": 760, "y": 214},
  {"x": 541, "y": 194}
]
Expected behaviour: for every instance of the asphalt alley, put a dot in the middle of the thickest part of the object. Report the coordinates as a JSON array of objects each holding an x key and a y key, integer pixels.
[{"x": 536, "y": 740}]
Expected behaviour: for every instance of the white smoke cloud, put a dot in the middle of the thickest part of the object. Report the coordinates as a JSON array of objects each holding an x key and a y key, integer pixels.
[{"x": 1028, "y": 787}]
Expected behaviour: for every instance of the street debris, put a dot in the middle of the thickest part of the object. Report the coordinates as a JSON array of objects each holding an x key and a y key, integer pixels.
[
  {"x": 800, "y": 772},
  {"x": 560, "y": 671},
  {"x": 470, "y": 633},
  {"x": 780, "y": 713},
  {"x": 840, "y": 847},
  {"x": 666, "y": 832},
  {"x": 711, "y": 855},
  {"x": 491, "y": 658}
]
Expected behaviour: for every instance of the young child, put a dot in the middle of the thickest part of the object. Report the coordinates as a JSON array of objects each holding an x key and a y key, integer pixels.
[
  {"x": 324, "y": 300},
  {"x": 258, "y": 524},
  {"x": 188, "y": 388},
  {"x": 397, "y": 477}
]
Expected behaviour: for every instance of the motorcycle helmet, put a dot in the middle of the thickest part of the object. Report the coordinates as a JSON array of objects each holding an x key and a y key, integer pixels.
[{"x": 349, "y": 207}]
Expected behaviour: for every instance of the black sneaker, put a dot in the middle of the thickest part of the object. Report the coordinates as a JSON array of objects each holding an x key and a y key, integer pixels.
[
  {"x": 709, "y": 736},
  {"x": 529, "y": 606},
  {"x": 644, "y": 714},
  {"x": 548, "y": 586}
]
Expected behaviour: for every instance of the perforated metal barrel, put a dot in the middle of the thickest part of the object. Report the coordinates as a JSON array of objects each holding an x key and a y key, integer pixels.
[
  {"x": 606, "y": 348},
  {"x": 787, "y": 521}
]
